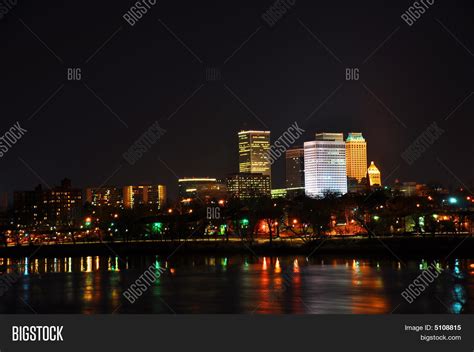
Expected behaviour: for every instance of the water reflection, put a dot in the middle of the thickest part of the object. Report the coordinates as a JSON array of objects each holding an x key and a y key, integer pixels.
[
  {"x": 88, "y": 264},
  {"x": 237, "y": 284}
]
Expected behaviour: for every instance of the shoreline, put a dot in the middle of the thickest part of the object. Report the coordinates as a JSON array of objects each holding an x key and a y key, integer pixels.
[{"x": 402, "y": 247}]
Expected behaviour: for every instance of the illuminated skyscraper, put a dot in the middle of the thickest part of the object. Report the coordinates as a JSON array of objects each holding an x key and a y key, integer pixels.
[
  {"x": 253, "y": 149},
  {"x": 375, "y": 178},
  {"x": 356, "y": 156},
  {"x": 325, "y": 165}
]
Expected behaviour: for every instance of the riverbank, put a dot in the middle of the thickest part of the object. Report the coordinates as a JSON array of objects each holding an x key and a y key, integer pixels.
[{"x": 402, "y": 247}]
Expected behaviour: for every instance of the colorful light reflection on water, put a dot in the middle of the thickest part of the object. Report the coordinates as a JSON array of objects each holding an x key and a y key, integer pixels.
[{"x": 237, "y": 284}]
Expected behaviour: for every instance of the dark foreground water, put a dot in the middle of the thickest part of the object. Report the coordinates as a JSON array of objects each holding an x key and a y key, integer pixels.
[{"x": 237, "y": 284}]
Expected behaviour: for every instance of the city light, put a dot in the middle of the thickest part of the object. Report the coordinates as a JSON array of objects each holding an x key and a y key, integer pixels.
[
  {"x": 222, "y": 229},
  {"x": 452, "y": 200},
  {"x": 156, "y": 227}
]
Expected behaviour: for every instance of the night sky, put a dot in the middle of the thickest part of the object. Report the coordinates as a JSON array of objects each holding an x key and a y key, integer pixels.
[{"x": 271, "y": 77}]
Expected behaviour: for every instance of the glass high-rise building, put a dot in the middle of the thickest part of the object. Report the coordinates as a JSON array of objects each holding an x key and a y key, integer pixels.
[
  {"x": 295, "y": 168},
  {"x": 356, "y": 156},
  {"x": 325, "y": 165},
  {"x": 253, "y": 149}
]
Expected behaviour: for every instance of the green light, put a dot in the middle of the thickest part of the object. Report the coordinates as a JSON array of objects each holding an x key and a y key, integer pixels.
[
  {"x": 156, "y": 227},
  {"x": 222, "y": 229},
  {"x": 453, "y": 200},
  {"x": 244, "y": 222},
  {"x": 376, "y": 217}
]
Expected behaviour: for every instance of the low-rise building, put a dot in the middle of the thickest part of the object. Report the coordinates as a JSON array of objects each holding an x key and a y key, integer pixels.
[{"x": 248, "y": 185}]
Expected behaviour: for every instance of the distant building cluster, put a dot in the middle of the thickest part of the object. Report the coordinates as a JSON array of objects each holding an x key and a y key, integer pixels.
[
  {"x": 128, "y": 197},
  {"x": 327, "y": 164},
  {"x": 62, "y": 206},
  {"x": 252, "y": 180}
]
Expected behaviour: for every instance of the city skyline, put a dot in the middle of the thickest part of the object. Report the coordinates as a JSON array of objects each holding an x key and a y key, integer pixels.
[
  {"x": 268, "y": 157},
  {"x": 278, "y": 173},
  {"x": 258, "y": 143}
]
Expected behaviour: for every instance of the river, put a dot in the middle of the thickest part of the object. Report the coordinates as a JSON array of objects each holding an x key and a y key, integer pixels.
[{"x": 197, "y": 284}]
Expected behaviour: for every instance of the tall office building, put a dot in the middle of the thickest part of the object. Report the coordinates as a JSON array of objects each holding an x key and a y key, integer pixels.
[
  {"x": 144, "y": 195},
  {"x": 295, "y": 168},
  {"x": 325, "y": 165},
  {"x": 356, "y": 156},
  {"x": 375, "y": 178},
  {"x": 253, "y": 149}
]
